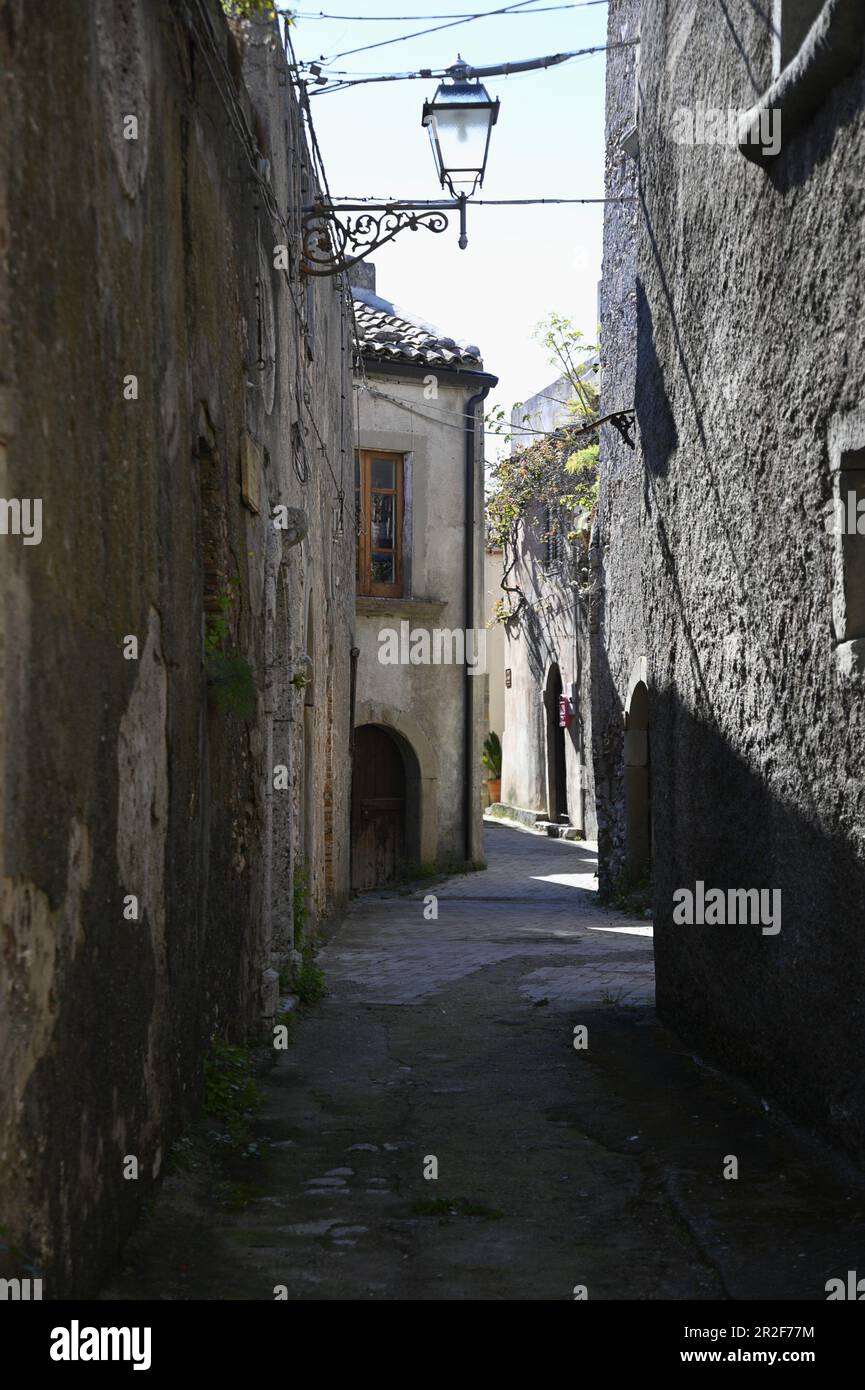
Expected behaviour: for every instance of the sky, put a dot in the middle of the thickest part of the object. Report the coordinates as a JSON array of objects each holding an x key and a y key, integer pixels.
[{"x": 520, "y": 263}]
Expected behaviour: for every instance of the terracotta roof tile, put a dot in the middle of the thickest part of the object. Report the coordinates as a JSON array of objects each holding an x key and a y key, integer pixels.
[{"x": 392, "y": 334}]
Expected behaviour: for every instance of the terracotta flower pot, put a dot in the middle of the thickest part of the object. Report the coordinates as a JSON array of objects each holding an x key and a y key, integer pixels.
[{"x": 494, "y": 785}]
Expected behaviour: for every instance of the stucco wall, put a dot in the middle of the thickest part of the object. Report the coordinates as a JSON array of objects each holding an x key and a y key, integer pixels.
[
  {"x": 433, "y": 441},
  {"x": 495, "y": 641},
  {"x": 545, "y": 410},
  {"x": 120, "y": 777},
  {"x": 552, "y": 630}
]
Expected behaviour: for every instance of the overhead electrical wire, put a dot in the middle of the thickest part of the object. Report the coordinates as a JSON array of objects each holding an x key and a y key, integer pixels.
[
  {"x": 347, "y": 297},
  {"x": 456, "y": 416},
  {"x": 237, "y": 119},
  {"x": 421, "y": 33},
  {"x": 319, "y": 161},
  {"x": 522, "y": 65},
  {"x": 394, "y": 203},
  {"x": 412, "y": 18}
]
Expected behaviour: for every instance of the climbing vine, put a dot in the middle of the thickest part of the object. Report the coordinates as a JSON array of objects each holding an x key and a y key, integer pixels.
[{"x": 549, "y": 488}]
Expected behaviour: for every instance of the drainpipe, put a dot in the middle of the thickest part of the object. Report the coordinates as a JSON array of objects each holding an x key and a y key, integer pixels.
[{"x": 469, "y": 769}]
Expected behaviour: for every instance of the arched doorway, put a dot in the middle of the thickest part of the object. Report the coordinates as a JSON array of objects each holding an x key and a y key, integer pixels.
[
  {"x": 383, "y": 806},
  {"x": 557, "y": 777},
  {"x": 637, "y": 804}
]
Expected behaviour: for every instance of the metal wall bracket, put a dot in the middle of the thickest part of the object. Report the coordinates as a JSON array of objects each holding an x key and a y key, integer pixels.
[
  {"x": 333, "y": 242},
  {"x": 623, "y": 421}
]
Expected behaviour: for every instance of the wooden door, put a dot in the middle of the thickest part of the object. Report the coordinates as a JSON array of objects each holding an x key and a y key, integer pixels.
[{"x": 377, "y": 809}]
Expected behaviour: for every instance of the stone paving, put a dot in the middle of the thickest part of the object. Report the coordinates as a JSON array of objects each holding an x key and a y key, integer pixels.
[{"x": 452, "y": 1039}]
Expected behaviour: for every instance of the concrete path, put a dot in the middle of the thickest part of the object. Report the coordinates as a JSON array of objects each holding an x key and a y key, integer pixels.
[{"x": 452, "y": 1039}]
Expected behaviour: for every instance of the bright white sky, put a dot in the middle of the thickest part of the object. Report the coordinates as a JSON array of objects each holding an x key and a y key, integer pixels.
[{"x": 520, "y": 263}]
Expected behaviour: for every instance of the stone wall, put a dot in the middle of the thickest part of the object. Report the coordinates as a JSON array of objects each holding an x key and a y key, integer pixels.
[
  {"x": 158, "y": 388},
  {"x": 751, "y": 412},
  {"x": 616, "y": 608}
]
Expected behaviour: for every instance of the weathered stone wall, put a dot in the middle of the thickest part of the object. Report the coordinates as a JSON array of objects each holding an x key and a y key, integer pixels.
[
  {"x": 750, "y": 392},
  {"x": 616, "y": 607},
  {"x": 152, "y": 257}
]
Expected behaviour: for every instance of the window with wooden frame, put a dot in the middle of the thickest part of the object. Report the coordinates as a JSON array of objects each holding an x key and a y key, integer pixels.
[{"x": 378, "y": 485}]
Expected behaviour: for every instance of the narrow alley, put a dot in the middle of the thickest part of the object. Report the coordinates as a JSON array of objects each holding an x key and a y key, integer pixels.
[
  {"x": 558, "y": 1167},
  {"x": 432, "y": 671}
]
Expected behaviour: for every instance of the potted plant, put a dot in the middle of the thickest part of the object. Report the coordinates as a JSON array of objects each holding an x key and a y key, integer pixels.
[{"x": 492, "y": 761}]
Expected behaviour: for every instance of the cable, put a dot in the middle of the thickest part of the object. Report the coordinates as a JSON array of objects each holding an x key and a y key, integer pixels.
[
  {"x": 420, "y": 33},
  {"x": 347, "y": 297},
  {"x": 489, "y": 202},
  {"x": 412, "y": 18},
  {"x": 494, "y": 70},
  {"x": 238, "y": 120},
  {"x": 306, "y": 110},
  {"x": 457, "y": 416}
]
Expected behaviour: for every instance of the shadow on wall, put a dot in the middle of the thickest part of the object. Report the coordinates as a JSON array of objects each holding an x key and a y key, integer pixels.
[
  {"x": 786, "y": 1010},
  {"x": 658, "y": 436}
]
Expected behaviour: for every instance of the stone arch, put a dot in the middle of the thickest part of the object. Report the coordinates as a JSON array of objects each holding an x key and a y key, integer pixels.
[
  {"x": 638, "y": 831},
  {"x": 423, "y": 794},
  {"x": 554, "y": 747},
  {"x": 385, "y": 806}
]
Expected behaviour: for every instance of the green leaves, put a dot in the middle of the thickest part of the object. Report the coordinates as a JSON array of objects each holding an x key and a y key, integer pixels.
[
  {"x": 556, "y": 474},
  {"x": 310, "y": 985},
  {"x": 229, "y": 675},
  {"x": 492, "y": 754},
  {"x": 251, "y": 9},
  {"x": 230, "y": 1094},
  {"x": 232, "y": 684}
]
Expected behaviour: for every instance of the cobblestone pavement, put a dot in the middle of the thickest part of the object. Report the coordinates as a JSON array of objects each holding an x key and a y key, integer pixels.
[{"x": 452, "y": 1039}]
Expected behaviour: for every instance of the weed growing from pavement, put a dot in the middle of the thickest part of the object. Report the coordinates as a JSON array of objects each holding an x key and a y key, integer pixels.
[
  {"x": 231, "y": 1096},
  {"x": 629, "y": 895},
  {"x": 183, "y": 1156},
  {"x": 310, "y": 985},
  {"x": 234, "y": 1196}
]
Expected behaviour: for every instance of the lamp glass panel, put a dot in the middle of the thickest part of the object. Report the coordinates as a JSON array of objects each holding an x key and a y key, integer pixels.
[{"x": 462, "y": 137}]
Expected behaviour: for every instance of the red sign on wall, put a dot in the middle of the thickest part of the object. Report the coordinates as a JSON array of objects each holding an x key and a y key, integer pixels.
[{"x": 565, "y": 715}]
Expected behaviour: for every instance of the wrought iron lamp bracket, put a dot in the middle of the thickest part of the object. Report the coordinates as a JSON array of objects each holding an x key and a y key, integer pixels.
[
  {"x": 333, "y": 242},
  {"x": 623, "y": 421}
]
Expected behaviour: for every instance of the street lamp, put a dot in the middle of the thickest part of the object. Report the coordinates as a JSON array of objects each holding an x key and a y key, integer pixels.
[{"x": 459, "y": 120}]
